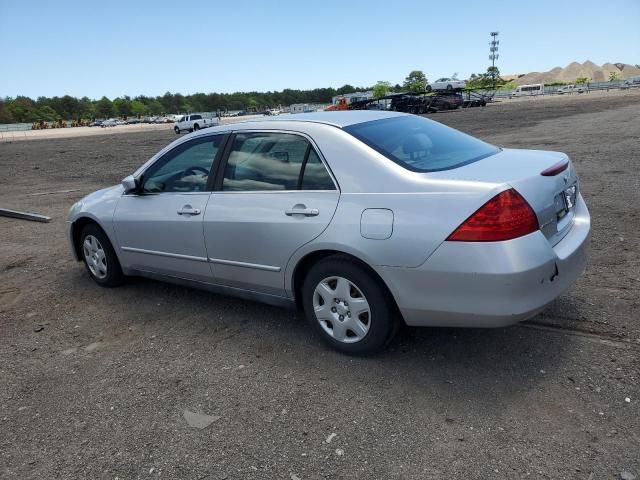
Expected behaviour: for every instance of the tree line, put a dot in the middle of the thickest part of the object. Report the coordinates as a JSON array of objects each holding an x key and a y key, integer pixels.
[
  {"x": 24, "y": 109},
  {"x": 50, "y": 109}
]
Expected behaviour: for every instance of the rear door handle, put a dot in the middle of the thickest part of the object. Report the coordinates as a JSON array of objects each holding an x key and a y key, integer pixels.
[
  {"x": 307, "y": 212},
  {"x": 189, "y": 210}
]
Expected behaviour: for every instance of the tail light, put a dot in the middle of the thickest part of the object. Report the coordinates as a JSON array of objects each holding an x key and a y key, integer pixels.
[{"x": 505, "y": 216}]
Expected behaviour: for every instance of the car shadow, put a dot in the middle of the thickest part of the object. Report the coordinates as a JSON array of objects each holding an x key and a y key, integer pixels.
[{"x": 489, "y": 367}]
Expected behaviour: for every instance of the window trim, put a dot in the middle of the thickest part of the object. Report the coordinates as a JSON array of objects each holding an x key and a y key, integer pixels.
[{"x": 219, "y": 178}]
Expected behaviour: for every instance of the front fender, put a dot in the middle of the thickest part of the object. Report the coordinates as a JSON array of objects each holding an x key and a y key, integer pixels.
[{"x": 99, "y": 207}]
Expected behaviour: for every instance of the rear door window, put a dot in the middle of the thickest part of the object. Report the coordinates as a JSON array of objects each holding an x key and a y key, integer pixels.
[
  {"x": 315, "y": 175},
  {"x": 267, "y": 161}
]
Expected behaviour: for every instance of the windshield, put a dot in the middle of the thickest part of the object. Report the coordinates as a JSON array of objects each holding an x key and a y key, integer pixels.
[{"x": 419, "y": 144}]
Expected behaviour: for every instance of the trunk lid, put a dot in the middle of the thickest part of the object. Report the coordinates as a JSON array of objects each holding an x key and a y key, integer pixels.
[{"x": 551, "y": 197}]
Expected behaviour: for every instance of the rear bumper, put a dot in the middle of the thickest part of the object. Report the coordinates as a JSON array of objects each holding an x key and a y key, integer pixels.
[{"x": 476, "y": 284}]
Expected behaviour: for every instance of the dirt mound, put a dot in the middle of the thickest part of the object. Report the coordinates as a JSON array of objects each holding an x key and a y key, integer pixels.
[{"x": 576, "y": 70}]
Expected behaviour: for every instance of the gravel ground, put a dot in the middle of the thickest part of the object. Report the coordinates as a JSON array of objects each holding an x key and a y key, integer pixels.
[{"x": 158, "y": 381}]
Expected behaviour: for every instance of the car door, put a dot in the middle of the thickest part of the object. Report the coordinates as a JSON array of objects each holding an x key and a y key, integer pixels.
[
  {"x": 273, "y": 195},
  {"x": 159, "y": 228}
]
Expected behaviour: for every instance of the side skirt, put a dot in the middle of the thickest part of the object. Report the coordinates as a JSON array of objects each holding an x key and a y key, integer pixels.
[{"x": 219, "y": 289}]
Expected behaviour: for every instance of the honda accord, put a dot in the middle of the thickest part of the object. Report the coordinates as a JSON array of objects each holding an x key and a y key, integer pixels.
[{"x": 363, "y": 219}]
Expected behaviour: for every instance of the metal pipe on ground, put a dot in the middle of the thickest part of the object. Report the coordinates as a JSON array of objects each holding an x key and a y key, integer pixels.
[{"x": 34, "y": 217}]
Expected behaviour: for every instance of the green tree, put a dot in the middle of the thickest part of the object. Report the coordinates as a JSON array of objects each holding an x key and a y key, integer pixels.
[
  {"x": 138, "y": 108},
  {"x": 5, "y": 114},
  {"x": 346, "y": 89},
  {"x": 104, "y": 108},
  {"x": 155, "y": 107},
  {"x": 485, "y": 81},
  {"x": 614, "y": 76},
  {"x": 86, "y": 109},
  {"x": 581, "y": 80},
  {"x": 494, "y": 74},
  {"x": 122, "y": 106},
  {"x": 23, "y": 109},
  {"x": 416, "y": 81},
  {"x": 47, "y": 114},
  {"x": 381, "y": 89}
]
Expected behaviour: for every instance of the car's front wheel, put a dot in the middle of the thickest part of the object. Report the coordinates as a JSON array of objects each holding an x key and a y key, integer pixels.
[
  {"x": 99, "y": 257},
  {"x": 196, "y": 127},
  {"x": 348, "y": 307},
  {"x": 177, "y": 130}
]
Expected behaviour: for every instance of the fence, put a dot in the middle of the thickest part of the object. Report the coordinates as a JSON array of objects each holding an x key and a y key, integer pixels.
[
  {"x": 553, "y": 90},
  {"x": 15, "y": 127}
]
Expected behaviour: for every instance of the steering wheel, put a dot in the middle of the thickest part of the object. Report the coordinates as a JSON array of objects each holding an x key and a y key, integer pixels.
[
  {"x": 177, "y": 182},
  {"x": 194, "y": 169}
]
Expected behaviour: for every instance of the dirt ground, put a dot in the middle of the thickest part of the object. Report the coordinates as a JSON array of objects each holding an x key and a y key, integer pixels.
[{"x": 107, "y": 383}]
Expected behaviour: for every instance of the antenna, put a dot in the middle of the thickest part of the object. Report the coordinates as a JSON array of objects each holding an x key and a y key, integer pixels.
[{"x": 493, "y": 54}]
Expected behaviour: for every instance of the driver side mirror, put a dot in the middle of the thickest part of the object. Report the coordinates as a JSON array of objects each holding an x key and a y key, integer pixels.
[{"x": 130, "y": 184}]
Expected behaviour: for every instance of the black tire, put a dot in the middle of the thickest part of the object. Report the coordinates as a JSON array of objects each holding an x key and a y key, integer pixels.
[
  {"x": 449, "y": 88},
  {"x": 428, "y": 89},
  {"x": 382, "y": 320},
  {"x": 114, "y": 276},
  {"x": 177, "y": 130},
  {"x": 196, "y": 127}
]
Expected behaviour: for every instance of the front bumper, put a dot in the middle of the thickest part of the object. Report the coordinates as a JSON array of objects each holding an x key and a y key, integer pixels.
[{"x": 492, "y": 284}]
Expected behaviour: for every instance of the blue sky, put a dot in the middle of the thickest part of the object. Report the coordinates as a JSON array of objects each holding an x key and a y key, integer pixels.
[{"x": 116, "y": 48}]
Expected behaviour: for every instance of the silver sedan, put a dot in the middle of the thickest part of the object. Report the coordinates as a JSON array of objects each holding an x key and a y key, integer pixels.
[{"x": 363, "y": 219}]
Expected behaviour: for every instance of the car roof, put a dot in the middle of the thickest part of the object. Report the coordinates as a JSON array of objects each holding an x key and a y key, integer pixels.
[{"x": 338, "y": 118}]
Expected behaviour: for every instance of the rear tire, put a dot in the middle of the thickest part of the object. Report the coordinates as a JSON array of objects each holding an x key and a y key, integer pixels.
[
  {"x": 428, "y": 89},
  {"x": 99, "y": 257},
  {"x": 348, "y": 307}
]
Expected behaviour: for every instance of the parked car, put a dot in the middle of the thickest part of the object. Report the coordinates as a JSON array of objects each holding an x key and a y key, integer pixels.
[
  {"x": 528, "y": 90},
  {"x": 133, "y": 121},
  {"x": 571, "y": 89},
  {"x": 631, "y": 82},
  {"x": 112, "y": 122},
  {"x": 96, "y": 123},
  {"x": 193, "y": 123},
  {"x": 447, "y": 102},
  {"x": 409, "y": 103},
  {"x": 446, "y": 84},
  {"x": 341, "y": 214}
]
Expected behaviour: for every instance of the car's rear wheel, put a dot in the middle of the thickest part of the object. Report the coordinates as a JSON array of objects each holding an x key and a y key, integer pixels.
[
  {"x": 348, "y": 307},
  {"x": 428, "y": 89},
  {"x": 99, "y": 257},
  {"x": 449, "y": 88}
]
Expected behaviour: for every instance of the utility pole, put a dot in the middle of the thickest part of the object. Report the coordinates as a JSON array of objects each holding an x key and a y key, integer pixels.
[{"x": 493, "y": 55}]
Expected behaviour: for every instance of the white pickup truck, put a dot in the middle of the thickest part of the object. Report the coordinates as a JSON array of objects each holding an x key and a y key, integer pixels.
[
  {"x": 571, "y": 89},
  {"x": 193, "y": 122}
]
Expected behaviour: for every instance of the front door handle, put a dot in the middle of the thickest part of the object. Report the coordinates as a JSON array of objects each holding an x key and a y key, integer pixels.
[
  {"x": 302, "y": 210},
  {"x": 189, "y": 210}
]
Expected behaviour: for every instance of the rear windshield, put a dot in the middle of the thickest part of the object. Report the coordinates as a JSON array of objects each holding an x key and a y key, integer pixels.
[{"x": 419, "y": 144}]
